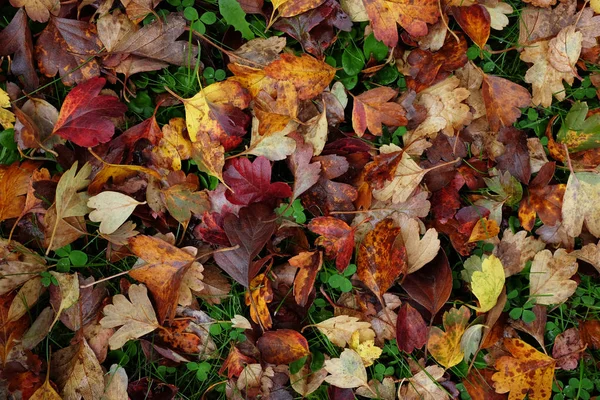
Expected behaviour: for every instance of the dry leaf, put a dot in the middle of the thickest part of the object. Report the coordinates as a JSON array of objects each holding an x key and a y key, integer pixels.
[
  {"x": 347, "y": 371},
  {"x": 549, "y": 281}
]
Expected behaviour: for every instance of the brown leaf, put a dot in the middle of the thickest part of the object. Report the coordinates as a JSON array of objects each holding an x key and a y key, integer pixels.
[
  {"x": 235, "y": 363},
  {"x": 14, "y": 182},
  {"x": 516, "y": 154},
  {"x": 64, "y": 46},
  {"x": 568, "y": 349},
  {"x": 475, "y": 21},
  {"x": 282, "y": 346},
  {"x": 503, "y": 100},
  {"x": 308, "y": 263},
  {"x": 380, "y": 258},
  {"x": 411, "y": 329},
  {"x": 337, "y": 238},
  {"x": 259, "y": 294},
  {"x": 431, "y": 285},
  {"x": 535, "y": 328},
  {"x": 590, "y": 333},
  {"x": 16, "y": 39},
  {"x": 374, "y": 108},
  {"x": 38, "y": 10},
  {"x": 479, "y": 385},
  {"x": 162, "y": 268}
]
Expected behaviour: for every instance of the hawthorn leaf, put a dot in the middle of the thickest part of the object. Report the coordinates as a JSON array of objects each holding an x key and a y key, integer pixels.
[
  {"x": 503, "y": 100},
  {"x": 424, "y": 386},
  {"x": 111, "y": 209},
  {"x": 564, "y": 49},
  {"x": 162, "y": 267},
  {"x": 406, "y": 177},
  {"x": 115, "y": 383},
  {"x": 306, "y": 381},
  {"x": 445, "y": 345},
  {"x": 525, "y": 372},
  {"x": 274, "y": 146},
  {"x": 568, "y": 349},
  {"x": 337, "y": 239},
  {"x": 380, "y": 259},
  {"x": 515, "y": 249},
  {"x": 309, "y": 75},
  {"x": 316, "y": 132},
  {"x": 431, "y": 285},
  {"x": 580, "y": 205},
  {"x": 135, "y": 316},
  {"x": 373, "y": 108},
  {"x": 77, "y": 372},
  {"x": 347, "y": 371},
  {"x": 549, "y": 281},
  {"x": 85, "y": 114},
  {"x": 419, "y": 251},
  {"x": 339, "y": 329}
]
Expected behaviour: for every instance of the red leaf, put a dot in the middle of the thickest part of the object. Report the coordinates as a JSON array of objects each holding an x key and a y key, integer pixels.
[
  {"x": 431, "y": 285},
  {"x": 250, "y": 231},
  {"x": 337, "y": 238},
  {"x": 250, "y": 182},
  {"x": 411, "y": 329},
  {"x": 84, "y": 116},
  {"x": 516, "y": 154},
  {"x": 234, "y": 363},
  {"x": 282, "y": 346}
]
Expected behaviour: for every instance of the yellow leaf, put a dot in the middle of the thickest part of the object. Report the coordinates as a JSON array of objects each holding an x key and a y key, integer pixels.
[
  {"x": 6, "y": 117},
  {"x": 487, "y": 284},
  {"x": 527, "y": 372},
  {"x": 174, "y": 146},
  {"x": 346, "y": 372},
  {"x": 367, "y": 350},
  {"x": 484, "y": 229},
  {"x": 111, "y": 209},
  {"x": 595, "y": 5},
  {"x": 445, "y": 345}
]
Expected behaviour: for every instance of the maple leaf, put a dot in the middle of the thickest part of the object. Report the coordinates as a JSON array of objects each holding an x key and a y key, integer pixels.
[
  {"x": 162, "y": 268},
  {"x": 216, "y": 111},
  {"x": 250, "y": 231},
  {"x": 423, "y": 385},
  {"x": 373, "y": 108},
  {"x": 503, "y": 100},
  {"x": 70, "y": 201},
  {"x": 445, "y": 345},
  {"x": 475, "y": 21},
  {"x": 282, "y": 346},
  {"x": 347, "y": 371},
  {"x": 84, "y": 115},
  {"x": 549, "y": 281},
  {"x": 77, "y": 372},
  {"x": 250, "y": 182},
  {"x": 111, "y": 209},
  {"x": 544, "y": 78},
  {"x": 16, "y": 39},
  {"x": 412, "y": 16},
  {"x": 527, "y": 372},
  {"x": 337, "y": 238},
  {"x": 309, "y": 75},
  {"x": 135, "y": 316},
  {"x": 65, "y": 46},
  {"x": 579, "y": 204}
]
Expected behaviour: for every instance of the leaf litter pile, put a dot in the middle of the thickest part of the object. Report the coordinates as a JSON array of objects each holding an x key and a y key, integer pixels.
[{"x": 299, "y": 198}]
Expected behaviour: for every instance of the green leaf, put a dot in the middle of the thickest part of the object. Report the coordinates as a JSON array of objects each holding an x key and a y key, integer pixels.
[
  {"x": 297, "y": 365},
  {"x": 579, "y": 133},
  {"x": 374, "y": 47},
  {"x": 209, "y": 18},
  {"x": 199, "y": 27},
  {"x": 352, "y": 61},
  {"x": 190, "y": 14},
  {"x": 236, "y": 17},
  {"x": 78, "y": 258}
]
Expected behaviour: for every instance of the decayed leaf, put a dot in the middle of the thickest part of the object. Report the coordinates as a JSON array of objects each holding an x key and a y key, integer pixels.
[
  {"x": 515, "y": 249},
  {"x": 46, "y": 391},
  {"x": 422, "y": 387},
  {"x": 274, "y": 146},
  {"x": 305, "y": 381},
  {"x": 549, "y": 281},
  {"x": 38, "y": 10},
  {"x": 308, "y": 263},
  {"x": 544, "y": 78},
  {"x": 366, "y": 349},
  {"x": 15, "y": 39},
  {"x": 115, "y": 382},
  {"x": 412, "y": 16},
  {"x": 337, "y": 238},
  {"x": 503, "y": 100},
  {"x": 26, "y": 297},
  {"x": 111, "y": 209},
  {"x": 316, "y": 132},
  {"x": 381, "y": 259},
  {"x": 527, "y": 372},
  {"x": 135, "y": 316},
  {"x": 259, "y": 294},
  {"x": 162, "y": 268},
  {"x": 488, "y": 283},
  {"x": 384, "y": 390},
  {"x": 306, "y": 174},
  {"x": 66, "y": 294},
  {"x": 580, "y": 205},
  {"x": 77, "y": 372},
  {"x": 347, "y": 371},
  {"x": 308, "y": 75},
  {"x": 411, "y": 329},
  {"x": 406, "y": 176},
  {"x": 445, "y": 345},
  {"x": 339, "y": 329},
  {"x": 475, "y": 21},
  {"x": 374, "y": 108},
  {"x": 568, "y": 349}
]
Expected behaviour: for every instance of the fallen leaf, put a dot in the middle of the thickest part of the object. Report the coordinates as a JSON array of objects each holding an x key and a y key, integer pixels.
[
  {"x": 282, "y": 346},
  {"x": 419, "y": 251},
  {"x": 38, "y": 10},
  {"x": 274, "y": 146},
  {"x": 549, "y": 281},
  {"x": 15, "y": 39},
  {"x": 14, "y": 183},
  {"x": 235, "y": 363},
  {"x": 373, "y": 108},
  {"x": 115, "y": 383},
  {"x": 411, "y": 329},
  {"x": 579, "y": 204},
  {"x": 65, "y": 294},
  {"x": 503, "y": 100},
  {"x": 85, "y": 114},
  {"x": 527, "y": 372},
  {"x": 6, "y": 117},
  {"x": 308, "y": 263},
  {"x": 445, "y": 345},
  {"x": 337, "y": 238},
  {"x": 135, "y": 316},
  {"x": 516, "y": 249},
  {"x": 309, "y": 75},
  {"x": 306, "y": 381},
  {"x": 475, "y": 21},
  {"x": 568, "y": 349},
  {"x": 306, "y": 174},
  {"x": 339, "y": 329},
  {"x": 347, "y": 371},
  {"x": 564, "y": 50},
  {"x": 111, "y": 209},
  {"x": 77, "y": 372},
  {"x": 258, "y": 295},
  {"x": 424, "y": 386}
]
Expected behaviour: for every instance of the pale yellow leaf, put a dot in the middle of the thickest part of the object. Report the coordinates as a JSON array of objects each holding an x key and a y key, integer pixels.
[
  {"x": 424, "y": 386},
  {"x": 580, "y": 203},
  {"x": 549, "y": 281},
  {"x": 407, "y": 177},
  {"x": 111, "y": 209},
  {"x": 339, "y": 329},
  {"x": 346, "y": 372}
]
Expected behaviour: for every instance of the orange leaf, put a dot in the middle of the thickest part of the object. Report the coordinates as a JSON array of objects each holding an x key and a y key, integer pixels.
[
  {"x": 445, "y": 345},
  {"x": 475, "y": 21},
  {"x": 282, "y": 346},
  {"x": 257, "y": 297},
  {"x": 309, "y": 75},
  {"x": 373, "y": 108},
  {"x": 14, "y": 182},
  {"x": 235, "y": 363},
  {"x": 484, "y": 229},
  {"x": 308, "y": 263},
  {"x": 380, "y": 260},
  {"x": 162, "y": 273},
  {"x": 337, "y": 238},
  {"x": 527, "y": 372},
  {"x": 503, "y": 100}
]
